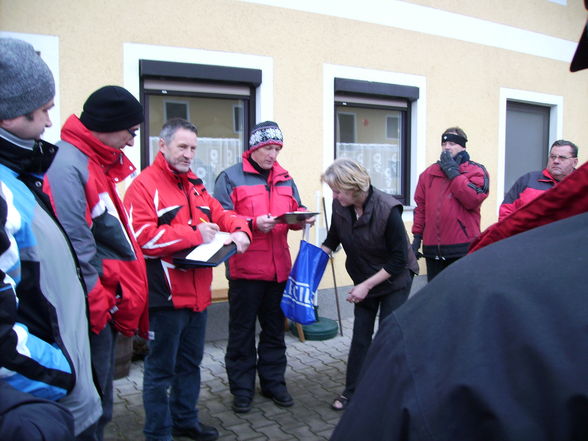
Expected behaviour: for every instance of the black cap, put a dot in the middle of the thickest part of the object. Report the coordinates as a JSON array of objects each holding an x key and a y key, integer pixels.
[{"x": 110, "y": 109}]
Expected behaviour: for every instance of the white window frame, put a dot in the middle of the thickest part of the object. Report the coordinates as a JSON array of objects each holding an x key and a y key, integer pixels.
[{"x": 555, "y": 104}]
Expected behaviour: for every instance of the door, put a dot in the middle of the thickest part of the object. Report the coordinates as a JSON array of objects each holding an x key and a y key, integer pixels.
[{"x": 527, "y": 140}]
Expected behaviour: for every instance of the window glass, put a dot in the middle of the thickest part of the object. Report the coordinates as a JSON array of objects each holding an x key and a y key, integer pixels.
[
  {"x": 220, "y": 123},
  {"x": 374, "y": 138}
]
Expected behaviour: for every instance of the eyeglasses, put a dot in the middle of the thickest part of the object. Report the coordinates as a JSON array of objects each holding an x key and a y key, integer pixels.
[
  {"x": 133, "y": 133},
  {"x": 560, "y": 157}
]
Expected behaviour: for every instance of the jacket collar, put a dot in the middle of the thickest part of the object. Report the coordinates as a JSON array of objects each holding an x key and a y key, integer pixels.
[
  {"x": 277, "y": 172},
  {"x": 163, "y": 165},
  {"x": 24, "y": 155},
  {"x": 114, "y": 162},
  {"x": 547, "y": 177}
]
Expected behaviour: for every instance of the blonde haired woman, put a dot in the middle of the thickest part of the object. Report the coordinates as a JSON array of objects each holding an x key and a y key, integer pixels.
[{"x": 368, "y": 224}]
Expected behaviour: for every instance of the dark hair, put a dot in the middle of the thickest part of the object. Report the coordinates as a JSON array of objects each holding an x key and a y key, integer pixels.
[
  {"x": 173, "y": 125},
  {"x": 456, "y": 130},
  {"x": 562, "y": 143}
]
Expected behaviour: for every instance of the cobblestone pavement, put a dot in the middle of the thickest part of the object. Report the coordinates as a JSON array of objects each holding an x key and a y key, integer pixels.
[{"x": 315, "y": 375}]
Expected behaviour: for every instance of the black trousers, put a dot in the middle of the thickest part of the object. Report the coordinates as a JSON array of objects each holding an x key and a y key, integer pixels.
[
  {"x": 250, "y": 300},
  {"x": 435, "y": 266},
  {"x": 365, "y": 313}
]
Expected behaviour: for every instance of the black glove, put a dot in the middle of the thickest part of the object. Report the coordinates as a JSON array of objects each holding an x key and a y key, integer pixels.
[
  {"x": 448, "y": 165},
  {"x": 416, "y": 244}
]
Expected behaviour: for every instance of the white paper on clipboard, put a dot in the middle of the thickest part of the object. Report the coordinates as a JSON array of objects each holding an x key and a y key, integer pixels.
[{"x": 205, "y": 251}]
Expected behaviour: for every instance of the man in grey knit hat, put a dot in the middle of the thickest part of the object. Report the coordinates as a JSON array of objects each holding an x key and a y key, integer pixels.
[{"x": 44, "y": 345}]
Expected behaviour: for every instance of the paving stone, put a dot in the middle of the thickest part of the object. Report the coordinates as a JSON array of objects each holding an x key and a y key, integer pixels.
[{"x": 315, "y": 375}]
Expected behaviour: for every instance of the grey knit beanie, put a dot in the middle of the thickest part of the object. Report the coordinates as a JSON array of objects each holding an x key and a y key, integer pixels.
[{"x": 26, "y": 82}]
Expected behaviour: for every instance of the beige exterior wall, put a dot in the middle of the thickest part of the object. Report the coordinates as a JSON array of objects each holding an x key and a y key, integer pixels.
[{"x": 466, "y": 57}]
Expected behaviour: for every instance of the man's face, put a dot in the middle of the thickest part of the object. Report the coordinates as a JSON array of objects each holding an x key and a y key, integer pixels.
[
  {"x": 119, "y": 139},
  {"x": 560, "y": 162},
  {"x": 266, "y": 156},
  {"x": 29, "y": 126},
  {"x": 181, "y": 150},
  {"x": 452, "y": 147}
]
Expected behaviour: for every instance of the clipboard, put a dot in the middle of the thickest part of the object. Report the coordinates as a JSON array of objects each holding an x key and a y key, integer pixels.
[
  {"x": 206, "y": 255},
  {"x": 295, "y": 217}
]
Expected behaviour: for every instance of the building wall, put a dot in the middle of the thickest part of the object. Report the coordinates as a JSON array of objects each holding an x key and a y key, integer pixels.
[{"x": 466, "y": 57}]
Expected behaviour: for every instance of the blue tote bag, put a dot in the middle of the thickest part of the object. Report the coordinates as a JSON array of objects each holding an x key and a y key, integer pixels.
[{"x": 298, "y": 300}]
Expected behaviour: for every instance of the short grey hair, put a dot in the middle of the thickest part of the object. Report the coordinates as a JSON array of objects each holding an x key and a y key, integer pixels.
[{"x": 173, "y": 125}]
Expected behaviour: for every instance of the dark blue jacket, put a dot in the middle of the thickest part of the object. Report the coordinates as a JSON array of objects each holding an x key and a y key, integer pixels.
[
  {"x": 24, "y": 417},
  {"x": 493, "y": 349}
]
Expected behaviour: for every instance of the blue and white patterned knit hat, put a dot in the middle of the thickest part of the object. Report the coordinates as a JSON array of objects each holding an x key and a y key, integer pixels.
[{"x": 265, "y": 133}]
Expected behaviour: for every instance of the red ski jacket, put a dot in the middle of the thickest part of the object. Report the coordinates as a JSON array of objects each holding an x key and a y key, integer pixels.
[
  {"x": 245, "y": 190},
  {"x": 82, "y": 185},
  {"x": 447, "y": 215},
  {"x": 524, "y": 190},
  {"x": 165, "y": 208}
]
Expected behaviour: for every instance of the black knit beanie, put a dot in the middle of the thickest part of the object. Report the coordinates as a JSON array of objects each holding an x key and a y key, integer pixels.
[{"x": 110, "y": 109}]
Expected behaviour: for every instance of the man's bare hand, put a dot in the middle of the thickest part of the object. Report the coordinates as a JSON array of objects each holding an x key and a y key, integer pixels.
[
  {"x": 241, "y": 240},
  {"x": 265, "y": 223},
  {"x": 207, "y": 230}
]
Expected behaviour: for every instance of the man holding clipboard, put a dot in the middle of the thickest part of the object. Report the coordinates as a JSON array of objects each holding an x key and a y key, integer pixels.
[
  {"x": 171, "y": 211},
  {"x": 259, "y": 190}
]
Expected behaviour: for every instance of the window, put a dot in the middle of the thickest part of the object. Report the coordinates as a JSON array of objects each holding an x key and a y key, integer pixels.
[
  {"x": 393, "y": 127},
  {"x": 237, "y": 119},
  {"x": 220, "y": 101},
  {"x": 176, "y": 109},
  {"x": 372, "y": 127},
  {"x": 346, "y": 126}
]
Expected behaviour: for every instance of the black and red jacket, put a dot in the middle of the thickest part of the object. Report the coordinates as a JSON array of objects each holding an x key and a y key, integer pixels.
[
  {"x": 524, "y": 190},
  {"x": 245, "y": 190},
  {"x": 568, "y": 198},
  {"x": 447, "y": 215},
  {"x": 81, "y": 183},
  {"x": 165, "y": 207}
]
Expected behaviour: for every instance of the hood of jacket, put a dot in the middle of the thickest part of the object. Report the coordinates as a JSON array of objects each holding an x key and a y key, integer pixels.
[{"x": 114, "y": 162}]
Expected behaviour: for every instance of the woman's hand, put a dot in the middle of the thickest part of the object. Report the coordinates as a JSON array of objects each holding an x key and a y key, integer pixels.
[{"x": 358, "y": 293}]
